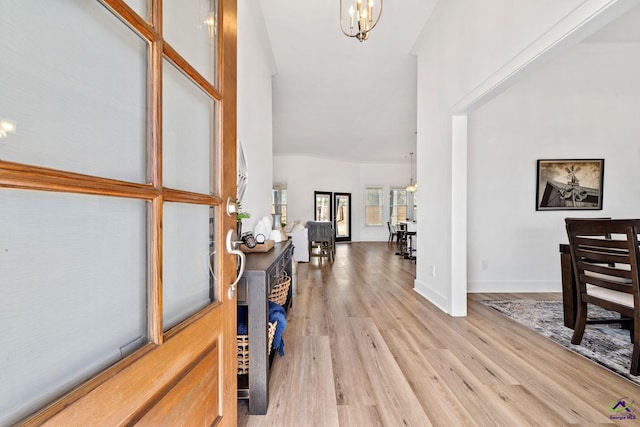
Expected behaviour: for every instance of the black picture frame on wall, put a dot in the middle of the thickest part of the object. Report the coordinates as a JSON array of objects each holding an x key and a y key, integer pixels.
[{"x": 569, "y": 184}]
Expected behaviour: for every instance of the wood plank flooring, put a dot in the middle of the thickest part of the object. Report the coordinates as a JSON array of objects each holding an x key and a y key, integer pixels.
[{"x": 363, "y": 349}]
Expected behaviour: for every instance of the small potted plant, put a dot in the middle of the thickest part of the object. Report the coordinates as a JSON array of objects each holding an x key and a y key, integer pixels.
[{"x": 239, "y": 217}]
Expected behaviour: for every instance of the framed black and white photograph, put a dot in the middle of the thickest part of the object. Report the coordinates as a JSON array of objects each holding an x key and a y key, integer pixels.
[{"x": 569, "y": 184}]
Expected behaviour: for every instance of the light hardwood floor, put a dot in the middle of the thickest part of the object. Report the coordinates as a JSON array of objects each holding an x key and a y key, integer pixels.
[{"x": 363, "y": 349}]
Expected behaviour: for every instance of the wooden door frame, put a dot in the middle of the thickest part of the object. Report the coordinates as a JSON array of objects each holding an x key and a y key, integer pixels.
[{"x": 228, "y": 145}]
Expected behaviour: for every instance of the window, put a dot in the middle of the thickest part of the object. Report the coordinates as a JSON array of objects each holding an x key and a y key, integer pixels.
[
  {"x": 397, "y": 205},
  {"x": 373, "y": 206},
  {"x": 279, "y": 201}
]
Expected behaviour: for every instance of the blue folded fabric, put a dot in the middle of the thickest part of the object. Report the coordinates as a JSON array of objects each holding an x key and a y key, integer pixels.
[
  {"x": 277, "y": 313},
  {"x": 243, "y": 326}
]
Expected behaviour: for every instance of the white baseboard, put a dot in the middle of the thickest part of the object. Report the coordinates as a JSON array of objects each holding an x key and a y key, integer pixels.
[
  {"x": 515, "y": 286},
  {"x": 489, "y": 286},
  {"x": 431, "y": 295}
]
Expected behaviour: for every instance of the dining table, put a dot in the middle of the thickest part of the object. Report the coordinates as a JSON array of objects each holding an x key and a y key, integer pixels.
[{"x": 407, "y": 239}]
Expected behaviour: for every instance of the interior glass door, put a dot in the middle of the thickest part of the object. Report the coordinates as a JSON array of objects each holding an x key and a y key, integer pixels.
[
  {"x": 322, "y": 206},
  {"x": 342, "y": 216}
]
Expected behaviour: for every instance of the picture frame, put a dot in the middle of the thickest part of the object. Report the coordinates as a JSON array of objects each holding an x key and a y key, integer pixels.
[{"x": 569, "y": 184}]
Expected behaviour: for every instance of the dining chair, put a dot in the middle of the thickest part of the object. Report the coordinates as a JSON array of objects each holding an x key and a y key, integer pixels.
[
  {"x": 393, "y": 233},
  {"x": 322, "y": 236},
  {"x": 606, "y": 260}
]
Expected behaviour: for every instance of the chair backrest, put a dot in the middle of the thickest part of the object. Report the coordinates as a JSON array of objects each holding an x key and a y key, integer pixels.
[
  {"x": 605, "y": 255},
  {"x": 320, "y": 231}
]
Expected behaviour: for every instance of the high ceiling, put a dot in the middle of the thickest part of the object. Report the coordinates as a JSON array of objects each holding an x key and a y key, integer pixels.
[{"x": 336, "y": 97}]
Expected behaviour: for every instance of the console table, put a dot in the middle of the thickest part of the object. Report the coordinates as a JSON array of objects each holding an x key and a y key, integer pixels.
[{"x": 260, "y": 274}]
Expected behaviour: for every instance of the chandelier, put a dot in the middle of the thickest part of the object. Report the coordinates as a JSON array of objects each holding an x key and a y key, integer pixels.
[
  {"x": 412, "y": 187},
  {"x": 361, "y": 19}
]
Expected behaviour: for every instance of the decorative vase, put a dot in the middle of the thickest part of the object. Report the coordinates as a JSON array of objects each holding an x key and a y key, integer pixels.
[{"x": 277, "y": 220}]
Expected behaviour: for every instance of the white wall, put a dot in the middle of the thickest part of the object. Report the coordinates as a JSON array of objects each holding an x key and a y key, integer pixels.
[
  {"x": 493, "y": 41},
  {"x": 582, "y": 105},
  {"x": 255, "y": 70},
  {"x": 306, "y": 174}
]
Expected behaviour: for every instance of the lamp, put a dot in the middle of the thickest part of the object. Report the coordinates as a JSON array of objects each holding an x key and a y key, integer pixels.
[
  {"x": 362, "y": 15},
  {"x": 412, "y": 187}
]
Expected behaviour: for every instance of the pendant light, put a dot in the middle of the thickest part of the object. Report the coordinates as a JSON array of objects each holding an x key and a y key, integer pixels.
[{"x": 413, "y": 186}]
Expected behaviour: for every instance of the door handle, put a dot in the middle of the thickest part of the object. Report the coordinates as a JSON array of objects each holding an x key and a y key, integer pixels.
[
  {"x": 232, "y": 206},
  {"x": 233, "y": 247}
]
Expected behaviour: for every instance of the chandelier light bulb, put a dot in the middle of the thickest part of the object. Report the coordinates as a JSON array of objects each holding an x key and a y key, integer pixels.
[{"x": 351, "y": 11}]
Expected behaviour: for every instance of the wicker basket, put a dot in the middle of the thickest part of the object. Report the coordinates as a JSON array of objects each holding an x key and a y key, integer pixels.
[
  {"x": 280, "y": 289},
  {"x": 243, "y": 349}
]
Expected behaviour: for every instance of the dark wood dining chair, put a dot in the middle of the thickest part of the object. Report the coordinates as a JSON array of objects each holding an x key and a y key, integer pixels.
[{"x": 606, "y": 260}]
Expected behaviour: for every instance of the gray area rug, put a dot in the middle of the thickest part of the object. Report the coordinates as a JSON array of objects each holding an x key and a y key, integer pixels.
[{"x": 606, "y": 344}]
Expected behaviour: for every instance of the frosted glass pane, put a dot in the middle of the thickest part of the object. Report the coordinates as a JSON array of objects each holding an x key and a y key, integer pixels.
[
  {"x": 73, "y": 79},
  {"x": 140, "y": 6},
  {"x": 187, "y": 250},
  {"x": 188, "y": 125},
  {"x": 191, "y": 27},
  {"x": 73, "y": 285}
]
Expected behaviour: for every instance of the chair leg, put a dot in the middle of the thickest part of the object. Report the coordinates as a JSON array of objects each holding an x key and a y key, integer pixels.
[
  {"x": 635, "y": 355},
  {"x": 581, "y": 323}
]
